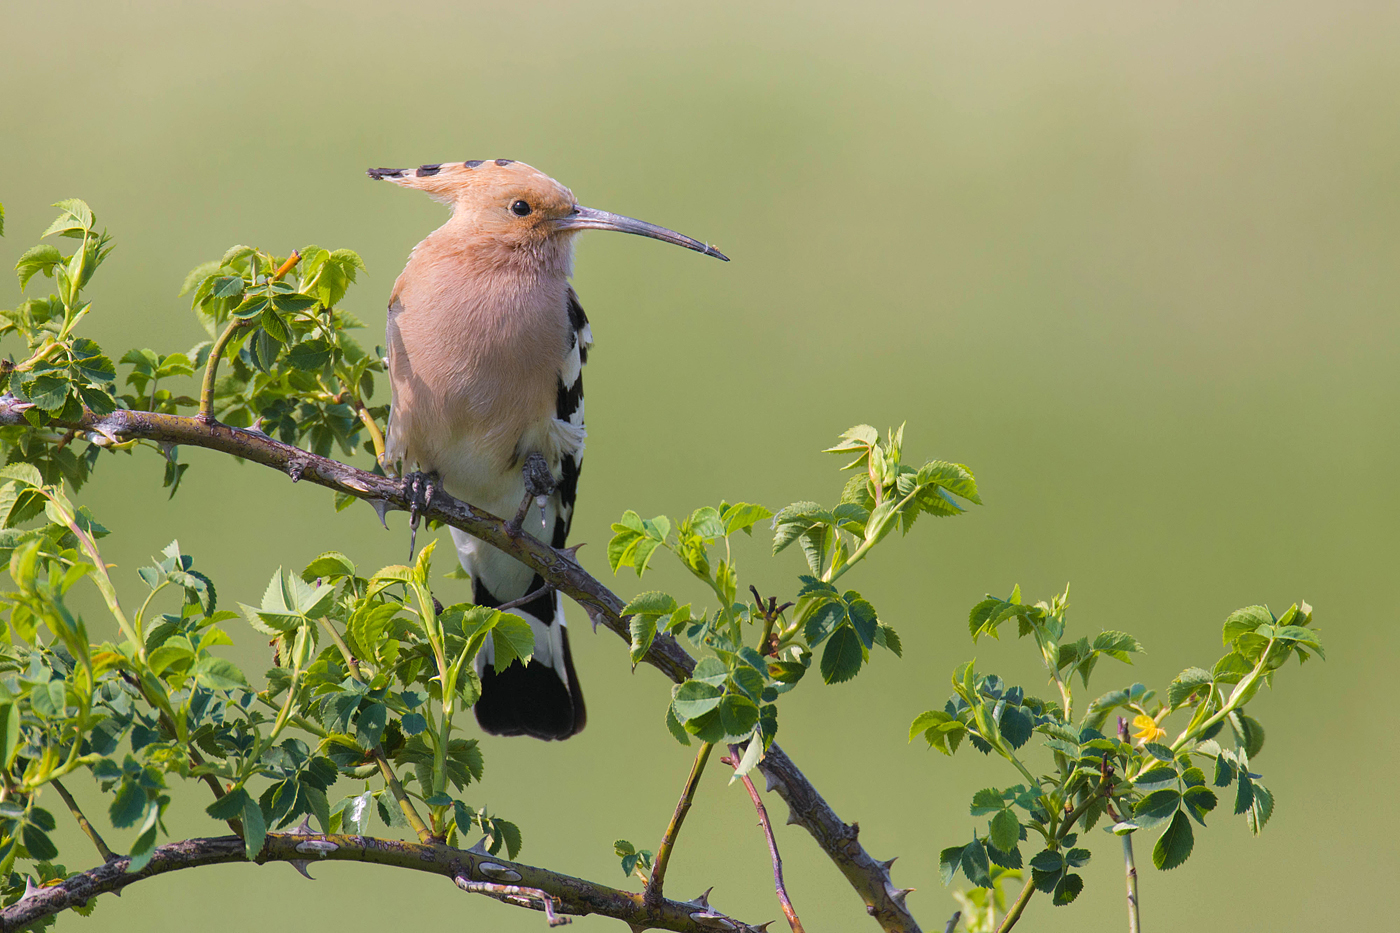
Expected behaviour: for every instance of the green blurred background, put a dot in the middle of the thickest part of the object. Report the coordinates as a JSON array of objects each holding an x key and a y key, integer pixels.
[{"x": 1134, "y": 264}]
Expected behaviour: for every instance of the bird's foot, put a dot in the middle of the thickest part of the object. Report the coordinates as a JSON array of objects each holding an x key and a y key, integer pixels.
[
  {"x": 539, "y": 485},
  {"x": 418, "y": 488}
]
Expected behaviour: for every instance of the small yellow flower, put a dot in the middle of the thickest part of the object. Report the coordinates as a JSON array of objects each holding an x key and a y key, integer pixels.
[{"x": 1147, "y": 729}]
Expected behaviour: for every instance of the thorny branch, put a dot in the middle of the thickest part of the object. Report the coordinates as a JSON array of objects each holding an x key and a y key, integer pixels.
[
  {"x": 870, "y": 878},
  {"x": 472, "y": 869},
  {"x": 788, "y": 910}
]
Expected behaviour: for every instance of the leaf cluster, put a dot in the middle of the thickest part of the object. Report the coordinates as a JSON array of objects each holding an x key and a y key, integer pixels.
[
  {"x": 1146, "y": 782},
  {"x": 756, "y": 651}
]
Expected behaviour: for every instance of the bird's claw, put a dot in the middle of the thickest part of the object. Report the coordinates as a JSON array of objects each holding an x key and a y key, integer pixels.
[
  {"x": 418, "y": 488},
  {"x": 539, "y": 486}
]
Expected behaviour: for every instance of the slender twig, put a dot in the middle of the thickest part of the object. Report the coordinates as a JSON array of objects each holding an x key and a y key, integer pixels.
[
  {"x": 788, "y": 910},
  {"x": 376, "y": 436},
  {"x": 573, "y": 895},
  {"x": 216, "y": 352},
  {"x": 953, "y": 921},
  {"x": 351, "y": 664},
  {"x": 425, "y": 835},
  {"x": 673, "y": 829},
  {"x": 1130, "y": 870},
  {"x": 211, "y": 369},
  {"x": 557, "y": 567},
  {"x": 524, "y": 600},
  {"x": 1017, "y": 908},
  {"x": 88, "y": 829}
]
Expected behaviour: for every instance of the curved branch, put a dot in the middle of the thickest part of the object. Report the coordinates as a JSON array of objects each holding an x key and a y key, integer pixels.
[
  {"x": 869, "y": 878},
  {"x": 472, "y": 870}
]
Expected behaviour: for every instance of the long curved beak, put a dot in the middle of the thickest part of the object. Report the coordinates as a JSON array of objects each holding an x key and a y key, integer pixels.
[{"x": 587, "y": 218}]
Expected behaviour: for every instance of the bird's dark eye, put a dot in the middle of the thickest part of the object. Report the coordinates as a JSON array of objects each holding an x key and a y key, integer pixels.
[{"x": 520, "y": 208}]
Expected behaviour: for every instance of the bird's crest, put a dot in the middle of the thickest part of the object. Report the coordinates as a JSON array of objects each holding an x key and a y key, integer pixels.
[{"x": 449, "y": 182}]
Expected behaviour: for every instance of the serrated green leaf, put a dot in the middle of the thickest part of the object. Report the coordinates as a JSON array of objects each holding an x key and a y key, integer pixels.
[
  {"x": 693, "y": 699},
  {"x": 1174, "y": 845},
  {"x": 652, "y": 603},
  {"x": 643, "y": 630},
  {"x": 1004, "y": 830},
  {"x": 1187, "y": 683},
  {"x": 842, "y": 656}
]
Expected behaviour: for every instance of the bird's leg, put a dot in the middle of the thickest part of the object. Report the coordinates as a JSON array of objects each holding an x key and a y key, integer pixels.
[
  {"x": 419, "y": 489},
  {"x": 539, "y": 485}
]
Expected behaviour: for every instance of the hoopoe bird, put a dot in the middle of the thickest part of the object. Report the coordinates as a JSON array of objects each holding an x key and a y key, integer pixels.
[{"x": 486, "y": 346}]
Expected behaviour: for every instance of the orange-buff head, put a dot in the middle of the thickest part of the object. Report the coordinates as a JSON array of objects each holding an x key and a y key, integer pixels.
[{"x": 521, "y": 208}]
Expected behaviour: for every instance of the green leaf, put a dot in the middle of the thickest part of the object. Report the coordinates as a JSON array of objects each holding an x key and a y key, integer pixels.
[
  {"x": 842, "y": 656},
  {"x": 737, "y": 715},
  {"x": 512, "y": 640},
  {"x": 643, "y": 630},
  {"x": 653, "y": 603},
  {"x": 1116, "y": 644},
  {"x": 949, "y": 861},
  {"x": 1156, "y": 807},
  {"x": 953, "y": 477},
  {"x": 1067, "y": 890},
  {"x": 823, "y": 619},
  {"x": 9, "y": 734},
  {"x": 1260, "y": 808},
  {"x": 370, "y": 723},
  {"x": 330, "y": 565},
  {"x": 219, "y": 674},
  {"x": 254, "y": 828},
  {"x": 742, "y": 516},
  {"x": 693, "y": 699},
  {"x": 198, "y": 275},
  {"x": 1174, "y": 846},
  {"x": 1201, "y": 800},
  {"x": 1158, "y": 751},
  {"x": 38, "y": 843},
  {"x": 41, "y": 258},
  {"x": 229, "y": 806},
  {"x": 75, "y": 217},
  {"x": 860, "y": 437},
  {"x": 987, "y": 800},
  {"x": 863, "y": 618},
  {"x": 128, "y": 805},
  {"x": 712, "y": 671},
  {"x": 1244, "y": 622},
  {"x": 1155, "y": 779},
  {"x": 974, "y": 864},
  {"x": 1005, "y": 830},
  {"x": 705, "y": 522},
  {"x": 887, "y": 637},
  {"x": 1253, "y": 734},
  {"x": 673, "y": 725},
  {"x": 1188, "y": 683}
]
